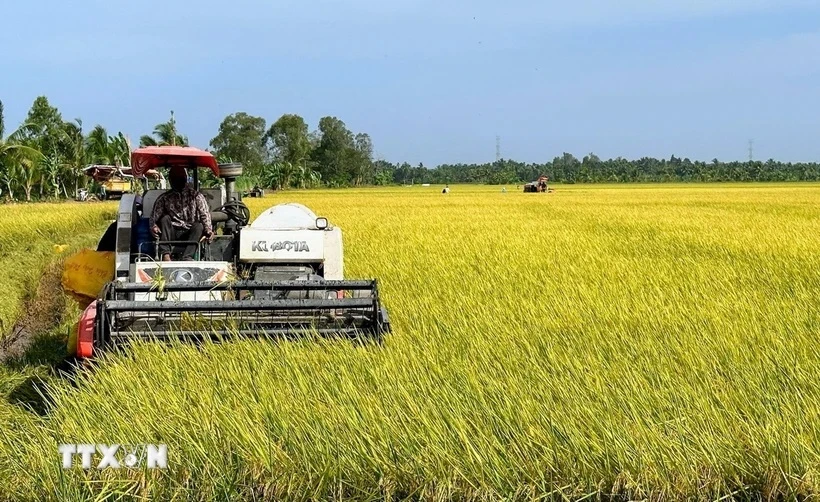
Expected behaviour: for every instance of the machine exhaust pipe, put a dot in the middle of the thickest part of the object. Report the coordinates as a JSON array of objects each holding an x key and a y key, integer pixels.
[{"x": 229, "y": 172}]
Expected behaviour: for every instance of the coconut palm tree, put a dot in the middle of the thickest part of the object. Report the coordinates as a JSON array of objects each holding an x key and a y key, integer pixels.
[
  {"x": 13, "y": 154},
  {"x": 28, "y": 171},
  {"x": 74, "y": 155},
  {"x": 120, "y": 149},
  {"x": 165, "y": 134},
  {"x": 97, "y": 145},
  {"x": 105, "y": 149}
]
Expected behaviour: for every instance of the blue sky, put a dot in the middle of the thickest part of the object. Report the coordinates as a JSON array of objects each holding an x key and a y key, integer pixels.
[{"x": 436, "y": 81}]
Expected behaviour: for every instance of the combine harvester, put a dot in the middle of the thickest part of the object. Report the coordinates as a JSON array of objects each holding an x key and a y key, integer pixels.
[
  {"x": 278, "y": 276},
  {"x": 539, "y": 185}
]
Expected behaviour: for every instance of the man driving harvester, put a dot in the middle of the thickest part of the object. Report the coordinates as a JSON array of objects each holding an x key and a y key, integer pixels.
[{"x": 181, "y": 214}]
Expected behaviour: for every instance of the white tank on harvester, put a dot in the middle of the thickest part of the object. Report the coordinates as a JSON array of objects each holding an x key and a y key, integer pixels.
[{"x": 281, "y": 275}]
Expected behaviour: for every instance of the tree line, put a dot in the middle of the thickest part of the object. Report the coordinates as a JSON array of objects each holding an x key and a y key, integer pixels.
[
  {"x": 44, "y": 158},
  {"x": 591, "y": 169}
]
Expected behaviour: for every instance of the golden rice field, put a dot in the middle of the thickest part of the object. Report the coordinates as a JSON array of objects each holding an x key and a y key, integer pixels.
[{"x": 638, "y": 342}]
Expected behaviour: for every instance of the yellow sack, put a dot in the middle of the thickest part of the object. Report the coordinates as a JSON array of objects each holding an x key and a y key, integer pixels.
[{"x": 86, "y": 273}]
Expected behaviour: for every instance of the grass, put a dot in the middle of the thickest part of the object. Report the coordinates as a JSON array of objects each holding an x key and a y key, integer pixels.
[{"x": 644, "y": 341}]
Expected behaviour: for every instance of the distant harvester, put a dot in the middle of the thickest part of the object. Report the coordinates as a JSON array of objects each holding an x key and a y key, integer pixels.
[{"x": 540, "y": 185}]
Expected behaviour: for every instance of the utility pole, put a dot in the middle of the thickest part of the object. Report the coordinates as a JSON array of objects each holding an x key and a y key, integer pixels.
[
  {"x": 497, "y": 148},
  {"x": 751, "y": 149}
]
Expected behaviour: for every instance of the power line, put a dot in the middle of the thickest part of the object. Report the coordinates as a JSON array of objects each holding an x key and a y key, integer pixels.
[
  {"x": 751, "y": 149},
  {"x": 497, "y": 148}
]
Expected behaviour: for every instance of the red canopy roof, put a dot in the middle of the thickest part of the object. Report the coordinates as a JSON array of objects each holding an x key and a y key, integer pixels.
[{"x": 153, "y": 157}]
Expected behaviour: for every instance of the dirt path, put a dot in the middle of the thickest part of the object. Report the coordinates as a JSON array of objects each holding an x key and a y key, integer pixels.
[{"x": 42, "y": 311}]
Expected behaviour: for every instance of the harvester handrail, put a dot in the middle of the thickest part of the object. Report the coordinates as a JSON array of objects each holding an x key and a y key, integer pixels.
[
  {"x": 225, "y": 305},
  {"x": 245, "y": 285}
]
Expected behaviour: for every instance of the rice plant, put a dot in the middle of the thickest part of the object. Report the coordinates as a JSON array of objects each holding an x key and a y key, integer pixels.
[{"x": 644, "y": 342}]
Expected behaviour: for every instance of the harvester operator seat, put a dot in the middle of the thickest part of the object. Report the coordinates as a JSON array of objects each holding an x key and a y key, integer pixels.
[
  {"x": 143, "y": 241},
  {"x": 148, "y": 200},
  {"x": 213, "y": 196},
  {"x": 218, "y": 218}
]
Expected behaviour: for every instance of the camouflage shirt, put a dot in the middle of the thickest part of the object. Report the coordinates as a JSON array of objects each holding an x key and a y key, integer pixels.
[{"x": 185, "y": 208}]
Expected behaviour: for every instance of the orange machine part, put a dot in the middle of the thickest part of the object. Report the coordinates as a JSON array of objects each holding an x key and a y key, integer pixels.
[{"x": 85, "y": 331}]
